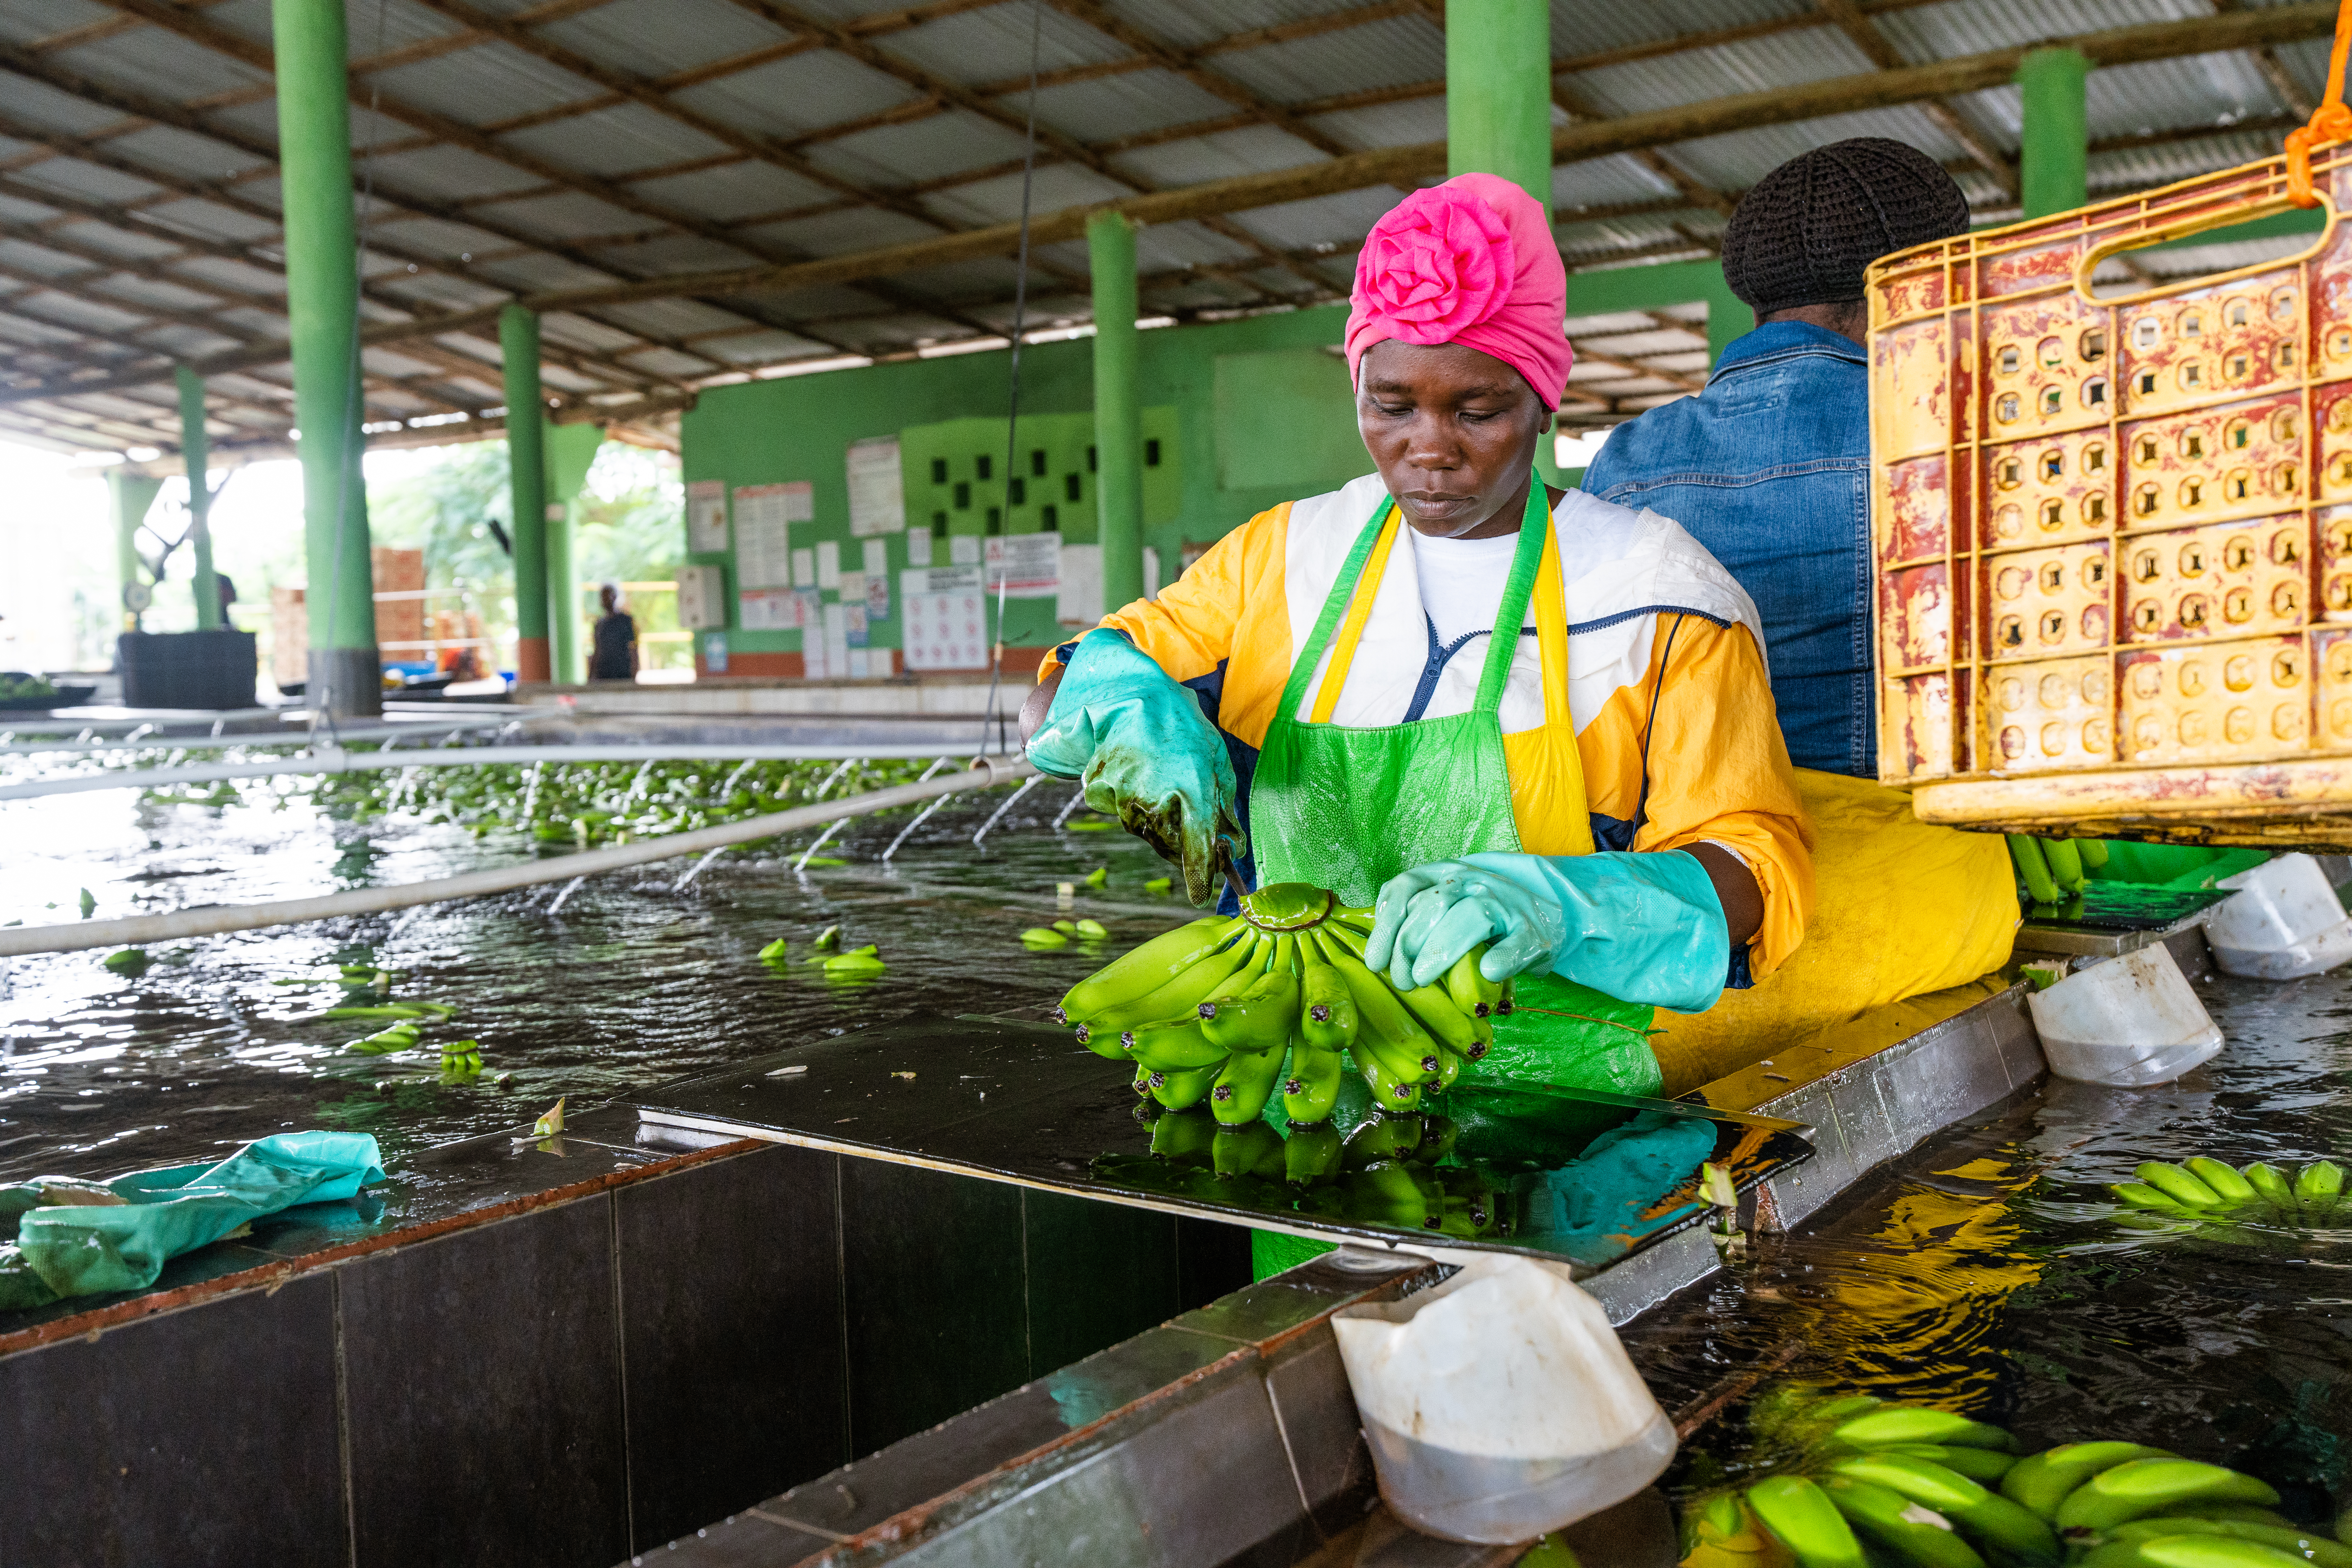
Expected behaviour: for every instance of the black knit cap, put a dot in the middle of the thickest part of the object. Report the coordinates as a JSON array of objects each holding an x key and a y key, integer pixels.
[{"x": 1803, "y": 235}]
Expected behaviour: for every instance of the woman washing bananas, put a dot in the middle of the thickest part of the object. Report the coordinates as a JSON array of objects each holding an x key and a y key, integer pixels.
[{"x": 1510, "y": 718}]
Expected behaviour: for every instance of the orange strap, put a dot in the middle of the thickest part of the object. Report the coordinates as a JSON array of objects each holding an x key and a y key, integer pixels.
[{"x": 2331, "y": 121}]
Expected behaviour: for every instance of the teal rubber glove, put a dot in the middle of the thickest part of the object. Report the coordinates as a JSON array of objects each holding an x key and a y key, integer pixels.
[
  {"x": 1643, "y": 928},
  {"x": 1147, "y": 756}
]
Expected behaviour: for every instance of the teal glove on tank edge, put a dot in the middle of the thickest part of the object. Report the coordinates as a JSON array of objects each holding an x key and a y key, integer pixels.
[
  {"x": 1138, "y": 741},
  {"x": 1643, "y": 928}
]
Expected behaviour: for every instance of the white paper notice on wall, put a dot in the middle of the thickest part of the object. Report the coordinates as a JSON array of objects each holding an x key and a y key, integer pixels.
[
  {"x": 768, "y": 610},
  {"x": 946, "y": 631},
  {"x": 853, "y": 621},
  {"x": 1029, "y": 563},
  {"x": 918, "y": 547},
  {"x": 836, "y": 640},
  {"x": 763, "y": 516},
  {"x": 813, "y": 651},
  {"x": 878, "y": 595},
  {"x": 1079, "y": 601},
  {"x": 706, "y": 516},
  {"x": 828, "y": 563},
  {"x": 938, "y": 580},
  {"x": 803, "y": 568},
  {"x": 963, "y": 550},
  {"x": 876, "y": 555},
  {"x": 853, "y": 587},
  {"x": 878, "y": 501}
]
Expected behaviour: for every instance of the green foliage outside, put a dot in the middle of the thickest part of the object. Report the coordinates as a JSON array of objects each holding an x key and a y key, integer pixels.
[{"x": 629, "y": 526}]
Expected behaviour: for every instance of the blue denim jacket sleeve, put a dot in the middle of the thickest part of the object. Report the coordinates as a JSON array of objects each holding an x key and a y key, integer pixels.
[{"x": 1770, "y": 468}]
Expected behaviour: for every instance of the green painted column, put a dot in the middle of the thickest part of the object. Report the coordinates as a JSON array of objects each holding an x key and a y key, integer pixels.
[
  {"x": 314, "y": 139},
  {"x": 195, "y": 453},
  {"x": 129, "y": 496},
  {"x": 526, "y": 489},
  {"x": 1118, "y": 408},
  {"x": 570, "y": 452},
  {"x": 1498, "y": 92},
  {"x": 2054, "y": 170}
]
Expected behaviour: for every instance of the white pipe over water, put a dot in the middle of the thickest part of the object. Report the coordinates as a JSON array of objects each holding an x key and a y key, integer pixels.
[
  {"x": 335, "y": 762},
  {"x": 287, "y": 736},
  {"x": 211, "y": 921}
]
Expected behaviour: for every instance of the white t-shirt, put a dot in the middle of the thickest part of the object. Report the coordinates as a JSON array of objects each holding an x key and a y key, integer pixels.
[{"x": 1462, "y": 580}]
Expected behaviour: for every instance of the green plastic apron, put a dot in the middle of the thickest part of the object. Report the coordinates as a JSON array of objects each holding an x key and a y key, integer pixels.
[{"x": 1349, "y": 809}]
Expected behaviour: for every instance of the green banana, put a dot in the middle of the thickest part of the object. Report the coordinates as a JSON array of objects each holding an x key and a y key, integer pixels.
[
  {"x": 1394, "y": 1095},
  {"x": 1171, "y": 1044},
  {"x": 1245, "y": 1085},
  {"x": 2322, "y": 1178},
  {"x": 2140, "y": 1195},
  {"x": 1990, "y": 1519},
  {"x": 2033, "y": 869},
  {"x": 1471, "y": 989},
  {"x": 2224, "y": 1180},
  {"x": 1429, "y": 1005},
  {"x": 1449, "y": 1068},
  {"x": 1803, "y": 1518},
  {"x": 1328, "y": 1016},
  {"x": 2177, "y": 1184},
  {"x": 1985, "y": 1466},
  {"x": 2065, "y": 863},
  {"x": 2138, "y": 1487},
  {"x": 1310, "y": 1153},
  {"x": 1382, "y": 1138},
  {"x": 1912, "y": 1424},
  {"x": 1181, "y": 1090},
  {"x": 1185, "y": 1140},
  {"x": 1914, "y": 1534},
  {"x": 1135, "y": 974},
  {"x": 2188, "y": 1551},
  {"x": 1314, "y": 1085},
  {"x": 2270, "y": 1182},
  {"x": 1255, "y": 1149},
  {"x": 1142, "y": 1078},
  {"x": 2239, "y": 1512},
  {"x": 2307, "y": 1545},
  {"x": 2040, "y": 1481},
  {"x": 1404, "y": 1048},
  {"x": 1184, "y": 993},
  {"x": 1392, "y": 1194},
  {"x": 1262, "y": 1015}
]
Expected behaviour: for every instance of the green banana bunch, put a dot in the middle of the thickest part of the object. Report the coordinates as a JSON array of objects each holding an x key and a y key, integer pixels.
[
  {"x": 2202, "y": 1191},
  {"x": 1872, "y": 1483},
  {"x": 1282, "y": 985}
]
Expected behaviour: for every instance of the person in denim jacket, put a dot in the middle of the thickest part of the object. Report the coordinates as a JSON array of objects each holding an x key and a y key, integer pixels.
[
  {"x": 1769, "y": 470},
  {"x": 1770, "y": 466}
]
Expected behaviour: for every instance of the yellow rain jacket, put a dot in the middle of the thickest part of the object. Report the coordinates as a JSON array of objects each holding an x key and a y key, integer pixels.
[{"x": 1662, "y": 679}]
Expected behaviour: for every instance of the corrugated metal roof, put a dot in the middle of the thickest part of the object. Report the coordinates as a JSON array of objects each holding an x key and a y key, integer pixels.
[{"x": 821, "y": 140}]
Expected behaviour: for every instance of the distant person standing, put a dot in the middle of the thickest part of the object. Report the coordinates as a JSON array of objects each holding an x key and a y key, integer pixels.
[
  {"x": 227, "y": 587},
  {"x": 615, "y": 655}
]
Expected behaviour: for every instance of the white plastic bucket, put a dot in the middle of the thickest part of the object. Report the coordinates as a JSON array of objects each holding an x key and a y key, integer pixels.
[
  {"x": 2127, "y": 1023},
  {"x": 2284, "y": 922},
  {"x": 1499, "y": 1405}
]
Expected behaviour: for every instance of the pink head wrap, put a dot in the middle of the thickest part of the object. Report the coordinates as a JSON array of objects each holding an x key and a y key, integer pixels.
[{"x": 1472, "y": 262}]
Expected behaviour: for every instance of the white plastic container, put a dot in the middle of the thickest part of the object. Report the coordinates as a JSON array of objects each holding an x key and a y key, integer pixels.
[
  {"x": 1499, "y": 1404},
  {"x": 2284, "y": 922},
  {"x": 2127, "y": 1023}
]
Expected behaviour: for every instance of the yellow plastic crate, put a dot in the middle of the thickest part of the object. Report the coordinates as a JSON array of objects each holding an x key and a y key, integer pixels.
[{"x": 2114, "y": 535}]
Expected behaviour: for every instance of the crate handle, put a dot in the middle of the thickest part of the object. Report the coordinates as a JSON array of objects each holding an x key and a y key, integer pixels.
[
  {"x": 2331, "y": 121},
  {"x": 2278, "y": 202}
]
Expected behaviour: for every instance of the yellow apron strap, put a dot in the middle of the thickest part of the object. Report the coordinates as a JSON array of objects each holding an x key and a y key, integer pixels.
[
  {"x": 1352, "y": 630},
  {"x": 1568, "y": 811}
]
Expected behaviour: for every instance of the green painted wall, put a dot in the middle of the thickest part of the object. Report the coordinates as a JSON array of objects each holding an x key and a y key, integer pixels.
[
  {"x": 800, "y": 428},
  {"x": 1247, "y": 414}
]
